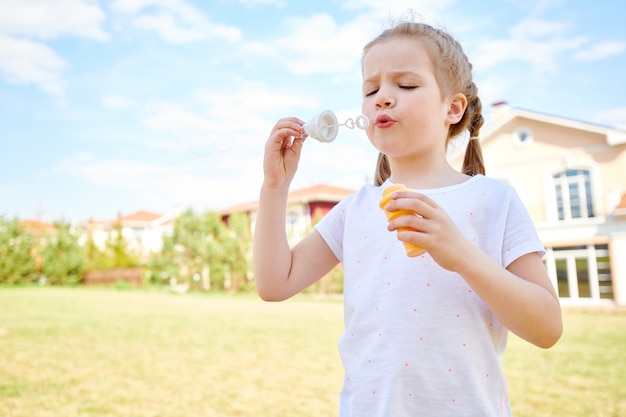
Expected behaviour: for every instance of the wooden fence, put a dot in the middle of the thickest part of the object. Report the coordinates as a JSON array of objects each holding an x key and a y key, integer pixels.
[{"x": 132, "y": 276}]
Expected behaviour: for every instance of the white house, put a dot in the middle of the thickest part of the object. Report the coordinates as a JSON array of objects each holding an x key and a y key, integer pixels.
[
  {"x": 571, "y": 176},
  {"x": 142, "y": 230}
]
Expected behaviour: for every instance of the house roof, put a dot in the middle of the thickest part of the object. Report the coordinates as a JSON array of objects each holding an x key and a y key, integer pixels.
[
  {"x": 503, "y": 114},
  {"x": 37, "y": 227},
  {"x": 144, "y": 218},
  {"x": 314, "y": 193},
  {"x": 141, "y": 216},
  {"x": 320, "y": 192}
]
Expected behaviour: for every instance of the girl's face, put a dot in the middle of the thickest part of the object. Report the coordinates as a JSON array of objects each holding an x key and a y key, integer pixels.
[{"x": 409, "y": 114}]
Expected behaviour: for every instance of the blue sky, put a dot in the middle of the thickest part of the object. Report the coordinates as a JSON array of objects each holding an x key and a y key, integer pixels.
[{"x": 114, "y": 106}]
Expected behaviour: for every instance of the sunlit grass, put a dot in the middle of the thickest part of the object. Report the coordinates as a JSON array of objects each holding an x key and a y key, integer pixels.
[
  {"x": 583, "y": 375},
  {"x": 101, "y": 352}
]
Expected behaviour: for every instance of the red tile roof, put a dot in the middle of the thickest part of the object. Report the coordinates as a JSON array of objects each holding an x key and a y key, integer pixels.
[
  {"x": 37, "y": 227},
  {"x": 318, "y": 192},
  {"x": 141, "y": 216}
]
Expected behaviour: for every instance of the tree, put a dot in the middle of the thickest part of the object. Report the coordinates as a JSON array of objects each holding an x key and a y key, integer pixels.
[
  {"x": 17, "y": 249},
  {"x": 117, "y": 250},
  {"x": 238, "y": 250},
  {"x": 95, "y": 258},
  {"x": 204, "y": 252},
  {"x": 184, "y": 253},
  {"x": 63, "y": 258}
]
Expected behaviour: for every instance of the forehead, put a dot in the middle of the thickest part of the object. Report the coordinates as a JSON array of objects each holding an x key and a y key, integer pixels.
[{"x": 399, "y": 53}]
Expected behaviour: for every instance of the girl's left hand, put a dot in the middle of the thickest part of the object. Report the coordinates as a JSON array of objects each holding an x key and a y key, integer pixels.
[{"x": 431, "y": 228}]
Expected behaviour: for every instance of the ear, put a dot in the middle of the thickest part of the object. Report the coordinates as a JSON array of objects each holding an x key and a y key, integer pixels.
[{"x": 456, "y": 108}]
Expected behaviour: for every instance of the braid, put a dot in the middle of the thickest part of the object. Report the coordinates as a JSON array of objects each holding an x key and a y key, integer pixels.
[{"x": 473, "y": 162}]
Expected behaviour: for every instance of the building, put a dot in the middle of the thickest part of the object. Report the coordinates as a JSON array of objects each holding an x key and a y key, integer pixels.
[
  {"x": 142, "y": 230},
  {"x": 38, "y": 229},
  {"x": 571, "y": 176},
  {"x": 304, "y": 207}
]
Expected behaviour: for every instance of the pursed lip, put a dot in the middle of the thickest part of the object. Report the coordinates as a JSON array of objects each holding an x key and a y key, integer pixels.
[{"x": 383, "y": 121}]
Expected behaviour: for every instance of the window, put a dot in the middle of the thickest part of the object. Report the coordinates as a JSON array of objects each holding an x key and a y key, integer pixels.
[
  {"x": 292, "y": 226},
  {"x": 573, "y": 194},
  {"x": 581, "y": 272},
  {"x": 523, "y": 137}
]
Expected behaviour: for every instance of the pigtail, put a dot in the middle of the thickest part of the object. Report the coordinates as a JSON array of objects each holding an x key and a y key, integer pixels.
[
  {"x": 473, "y": 162},
  {"x": 383, "y": 170}
]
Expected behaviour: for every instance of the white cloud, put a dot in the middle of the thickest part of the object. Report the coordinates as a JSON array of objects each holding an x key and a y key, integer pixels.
[
  {"x": 134, "y": 6},
  {"x": 167, "y": 116},
  {"x": 537, "y": 42},
  {"x": 396, "y": 8},
  {"x": 317, "y": 44},
  {"x": 111, "y": 101},
  {"x": 175, "y": 21},
  {"x": 255, "y": 3},
  {"x": 48, "y": 20},
  {"x": 168, "y": 185},
  {"x": 222, "y": 121},
  {"x": 220, "y": 127},
  {"x": 23, "y": 61},
  {"x": 600, "y": 50},
  {"x": 114, "y": 173},
  {"x": 535, "y": 28},
  {"x": 252, "y": 101}
]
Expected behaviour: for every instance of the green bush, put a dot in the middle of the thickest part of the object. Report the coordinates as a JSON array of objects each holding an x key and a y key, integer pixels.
[
  {"x": 63, "y": 258},
  {"x": 17, "y": 254}
]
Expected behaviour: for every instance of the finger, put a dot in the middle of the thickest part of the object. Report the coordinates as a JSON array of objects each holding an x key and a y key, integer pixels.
[
  {"x": 288, "y": 123},
  {"x": 283, "y": 137},
  {"x": 298, "y": 141},
  {"x": 409, "y": 221},
  {"x": 414, "y": 202},
  {"x": 414, "y": 195}
]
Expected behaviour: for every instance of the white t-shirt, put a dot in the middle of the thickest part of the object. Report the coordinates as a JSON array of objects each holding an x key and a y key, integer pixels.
[{"x": 418, "y": 341}]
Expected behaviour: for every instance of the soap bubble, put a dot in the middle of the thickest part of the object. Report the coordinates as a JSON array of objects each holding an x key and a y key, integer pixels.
[
  {"x": 204, "y": 144},
  {"x": 224, "y": 142},
  {"x": 236, "y": 111},
  {"x": 199, "y": 145},
  {"x": 159, "y": 108}
]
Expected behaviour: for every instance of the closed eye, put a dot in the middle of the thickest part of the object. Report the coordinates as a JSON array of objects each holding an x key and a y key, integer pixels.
[
  {"x": 371, "y": 93},
  {"x": 408, "y": 87}
]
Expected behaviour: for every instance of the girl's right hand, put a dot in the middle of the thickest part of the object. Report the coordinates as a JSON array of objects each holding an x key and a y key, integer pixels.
[{"x": 282, "y": 152}]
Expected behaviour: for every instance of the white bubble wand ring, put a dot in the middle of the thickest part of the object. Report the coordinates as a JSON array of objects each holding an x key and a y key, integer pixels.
[{"x": 325, "y": 126}]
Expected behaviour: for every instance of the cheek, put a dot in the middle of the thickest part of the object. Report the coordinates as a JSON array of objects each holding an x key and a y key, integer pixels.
[
  {"x": 368, "y": 110},
  {"x": 369, "y": 131}
]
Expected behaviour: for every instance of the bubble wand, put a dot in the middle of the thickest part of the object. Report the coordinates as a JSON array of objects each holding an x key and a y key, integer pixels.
[{"x": 324, "y": 126}]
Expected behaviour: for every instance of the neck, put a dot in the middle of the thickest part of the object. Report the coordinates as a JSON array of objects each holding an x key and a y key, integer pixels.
[{"x": 424, "y": 173}]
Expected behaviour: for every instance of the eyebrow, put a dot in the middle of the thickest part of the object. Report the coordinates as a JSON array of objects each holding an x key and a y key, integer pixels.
[{"x": 395, "y": 74}]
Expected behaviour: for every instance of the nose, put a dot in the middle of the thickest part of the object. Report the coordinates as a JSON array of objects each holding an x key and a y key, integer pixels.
[{"x": 384, "y": 100}]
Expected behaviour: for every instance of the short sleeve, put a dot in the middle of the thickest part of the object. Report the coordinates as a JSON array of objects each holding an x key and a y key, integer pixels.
[
  {"x": 520, "y": 236},
  {"x": 331, "y": 227}
]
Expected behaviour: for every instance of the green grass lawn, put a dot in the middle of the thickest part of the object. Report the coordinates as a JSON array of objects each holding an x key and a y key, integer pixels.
[{"x": 68, "y": 352}]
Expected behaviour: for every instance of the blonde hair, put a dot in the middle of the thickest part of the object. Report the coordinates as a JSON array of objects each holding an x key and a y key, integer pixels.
[{"x": 454, "y": 74}]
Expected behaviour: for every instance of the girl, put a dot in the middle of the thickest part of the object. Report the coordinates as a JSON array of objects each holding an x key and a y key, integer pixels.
[{"x": 423, "y": 335}]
